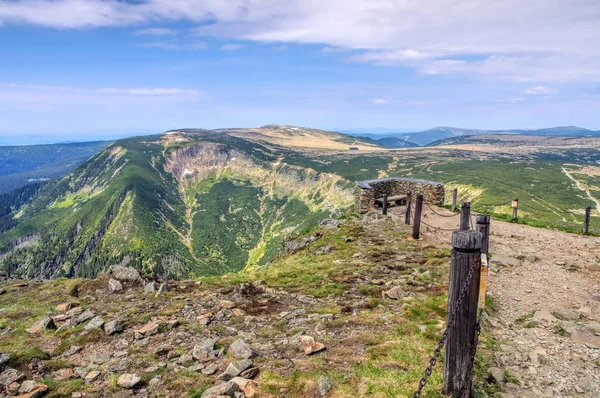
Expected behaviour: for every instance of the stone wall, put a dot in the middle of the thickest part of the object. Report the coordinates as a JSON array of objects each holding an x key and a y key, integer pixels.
[{"x": 367, "y": 191}]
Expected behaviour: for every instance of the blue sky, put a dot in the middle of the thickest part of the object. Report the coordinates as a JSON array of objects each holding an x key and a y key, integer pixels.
[{"x": 73, "y": 69}]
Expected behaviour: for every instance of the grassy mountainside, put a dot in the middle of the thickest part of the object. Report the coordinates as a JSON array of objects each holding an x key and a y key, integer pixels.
[
  {"x": 177, "y": 204},
  {"x": 21, "y": 165}
]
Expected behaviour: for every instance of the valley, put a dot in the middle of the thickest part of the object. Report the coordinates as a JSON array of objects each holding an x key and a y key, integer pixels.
[{"x": 195, "y": 202}]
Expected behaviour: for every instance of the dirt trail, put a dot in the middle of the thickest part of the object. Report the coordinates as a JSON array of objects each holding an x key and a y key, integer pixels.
[{"x": 555, "y": 275}]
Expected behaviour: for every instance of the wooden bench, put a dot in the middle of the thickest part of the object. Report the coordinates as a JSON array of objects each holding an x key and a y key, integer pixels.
[{"x": 398, "y": 200}]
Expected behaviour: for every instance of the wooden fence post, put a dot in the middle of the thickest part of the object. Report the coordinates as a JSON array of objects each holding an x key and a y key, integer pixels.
[
  {"x": 586, "y": 220},
  {"x": 466, "y": 255},
  {"x": 384, "y": 205},
  {"x": 465, "y": 216},
  {"x": 408, "y": 207},
  {"x": 417, "y": 220},
  {"x": 483, "y": 226},
  {"x": 454, "y": 196},
  {"x": 515, "y": 206}
]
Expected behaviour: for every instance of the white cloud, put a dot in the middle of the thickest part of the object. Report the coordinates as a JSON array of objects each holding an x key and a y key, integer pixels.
[
  {"x": 540, "y": 90},
  {"x": 534, "y": 41},
  {"x": 380, "y": 101},
  {"x": 106, "y": 90},
  {"x": 231, "y": 47},
  {"x": 155, "y": 32}
]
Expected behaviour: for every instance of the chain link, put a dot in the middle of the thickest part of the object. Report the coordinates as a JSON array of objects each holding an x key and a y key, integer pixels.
[
  {"x": 466, "y": 387},
  {"x": 442, "y": 342},
  {"x": 441, "y": 215}
]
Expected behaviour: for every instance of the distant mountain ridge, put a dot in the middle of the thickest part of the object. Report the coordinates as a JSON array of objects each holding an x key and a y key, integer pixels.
[{"x": 427, "y": 137}]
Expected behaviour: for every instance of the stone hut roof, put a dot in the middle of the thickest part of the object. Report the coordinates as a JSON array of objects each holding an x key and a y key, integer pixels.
[{"x": 366, "y": 184}]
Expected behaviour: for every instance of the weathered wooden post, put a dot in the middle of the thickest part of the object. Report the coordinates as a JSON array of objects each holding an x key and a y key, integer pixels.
[
  {"x": 483, "y": 226},
  {"x": 465, "y": 216},
  {"x": 417, "y": 220},
  {"x": 515, "y": 207},
  {"x": 464, "y": 270},
  {"x": 586, "y": 220},
  {"x": 384, "y": 206},
  {"x": 408, "y": 207},
  {"x": 454, "y": 196}
]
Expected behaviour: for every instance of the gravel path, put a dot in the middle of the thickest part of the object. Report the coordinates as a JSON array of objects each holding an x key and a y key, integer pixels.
[{"x": 545, "y": 284}]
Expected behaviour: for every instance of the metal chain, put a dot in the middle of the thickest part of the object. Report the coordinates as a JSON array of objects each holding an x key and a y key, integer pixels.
[
  {"x": 442, "y": 342},
  {"x": 438, "y": 228},
  {"x": 474, "y": 351},
  {"x": 441, "y": 215}
]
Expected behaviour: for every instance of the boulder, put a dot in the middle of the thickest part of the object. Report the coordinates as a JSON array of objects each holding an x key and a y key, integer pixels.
[
  {"x": 4, "y": 358},
  {"x": 128, "y": 380},
  {"x": 543, "y": 316},
  {"x": 248, "y": 387},
  {"x": 395, "y": 293},
  {"x": 92, "y": 376},
  {"x": 227, "y": 389},
  {"x": 124, "y": 274},
  {"x": 150, "y": 287},
  {"x": 310, "y": 345},
  {"x": 32, "y": 389},
  {"x": 96, "y": 322},
  {"x": 45, "y": 323},
  {"x": 240, "y": 349},
  {"x": 234, "y": 369},
  {"x": 149, "y": 329},
  {"x": 497, "y": 375},
  {"x": 325, "y": 386},
  {"x": 114, "y": 285},
  {"x": 69, "y": 324},
  {"x": 9, "y": 376},
  {"x": 204, "y": 351},
  {"x": 85, "y": 316},
  {"x": 113, "y": 327}
]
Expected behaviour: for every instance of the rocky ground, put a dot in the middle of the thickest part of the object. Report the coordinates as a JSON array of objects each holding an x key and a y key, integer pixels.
[
  {"x": 357, "y": 312},
  {"x": 545, "y": 320}
]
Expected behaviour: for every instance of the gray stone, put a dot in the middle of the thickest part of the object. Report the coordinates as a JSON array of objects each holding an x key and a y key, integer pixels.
[
  {"x": 234, "y": 369},
  {"x": 45, "y": 323},
  {"x": 567, "y": 315},
  {"x": 68, "y": 324},
  {"x": 204, "y": 351},
  {"x": 395, "y": 293},
  {"x": 85, "y": 316},
  {"x": 227, "y": 389},
  {"x": 150, "y": 287},
  {"x": 96, "y": 322},
  {"x": 543, "y": 316},
  {"x": 92, "y": 376},
  {"x": 124, "y": 274},
  {"x": 128, "y": 380},
  {"x": 4, "y": 358},
  {"x": 325, "y": 386},
  {"x": 113, "y": 327},
  {"x": 114, "y": 285},
  {"x": 10, "y": 375},
  {"x": 497, "y": 375},
  {"x": 240, "y": 349}
]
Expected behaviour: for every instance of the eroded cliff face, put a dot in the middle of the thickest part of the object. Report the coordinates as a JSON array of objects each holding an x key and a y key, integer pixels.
[{"x": 176, "y": 204}]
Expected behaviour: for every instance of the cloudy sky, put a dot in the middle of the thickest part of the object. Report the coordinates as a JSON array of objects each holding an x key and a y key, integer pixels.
[{"x": 80, "y": 69}]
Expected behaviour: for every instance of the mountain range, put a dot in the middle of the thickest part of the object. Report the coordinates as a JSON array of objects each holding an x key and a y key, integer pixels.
[
  {"x": 186, "y": 202},
  {"x": 427, "y": 137}
]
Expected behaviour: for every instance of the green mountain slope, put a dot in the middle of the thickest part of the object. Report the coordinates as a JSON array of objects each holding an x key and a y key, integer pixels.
[{"x": 177, "y": 204}]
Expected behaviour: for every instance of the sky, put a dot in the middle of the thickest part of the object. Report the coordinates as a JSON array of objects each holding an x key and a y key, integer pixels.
[{"x": 100, "y": 69}]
